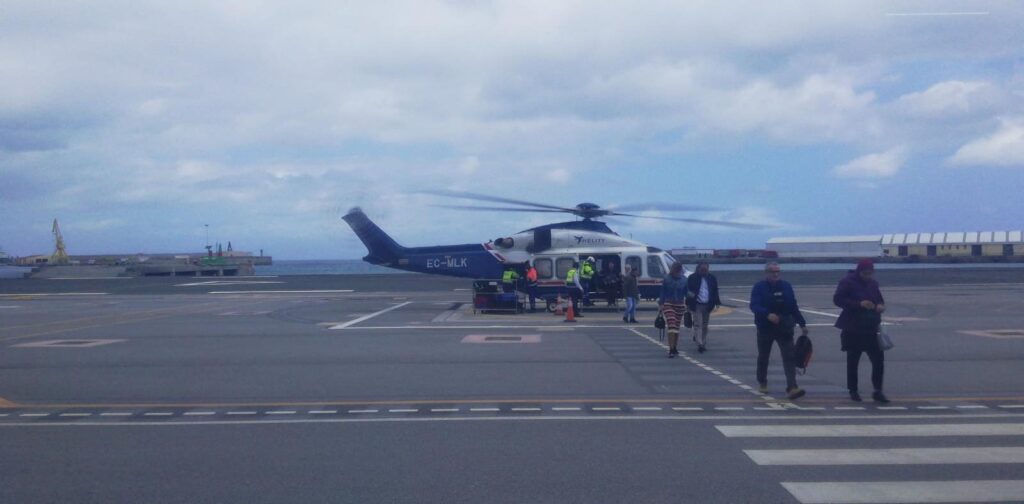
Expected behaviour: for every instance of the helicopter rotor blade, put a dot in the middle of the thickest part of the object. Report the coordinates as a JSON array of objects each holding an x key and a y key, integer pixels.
[
  {"x": 665, "y": 207},
  {"x": 499, "y": 209},
  {"x": 740, "y": 225},
  {"x": 495, "y": 199}
]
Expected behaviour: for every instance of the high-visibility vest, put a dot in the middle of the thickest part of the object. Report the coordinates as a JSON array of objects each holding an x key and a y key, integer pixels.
[
  {"x": 509, "y": 276},
  {"x": 570, "y": 277},
  {"x": 588, "y": 271}
]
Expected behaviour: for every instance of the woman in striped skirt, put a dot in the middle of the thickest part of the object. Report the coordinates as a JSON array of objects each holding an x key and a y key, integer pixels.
[{"x": 672, "y": 303}]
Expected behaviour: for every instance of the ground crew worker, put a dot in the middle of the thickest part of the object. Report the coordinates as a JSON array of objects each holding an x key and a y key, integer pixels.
[
  {"x": 586, "y": 275},
  {"x": 508, "y": 280},
  {"x": 531, "y": 285},
  {"x": 574, "y": 287}
]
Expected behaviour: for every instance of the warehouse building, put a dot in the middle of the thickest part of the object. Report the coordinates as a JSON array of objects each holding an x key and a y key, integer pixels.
[
  {"x": 970, "y": 243},
  {"x": 949, "y": 244}
]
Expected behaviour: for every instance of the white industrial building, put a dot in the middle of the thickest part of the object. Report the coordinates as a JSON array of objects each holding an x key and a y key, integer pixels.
[{"x": 959, "y": 243}]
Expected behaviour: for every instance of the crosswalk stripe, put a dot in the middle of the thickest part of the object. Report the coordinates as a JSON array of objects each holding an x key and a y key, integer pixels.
[
  {"x": 874, "y": 430},
  {"x": 841, "y": 492},
  {"x": 889, "y": 456}
]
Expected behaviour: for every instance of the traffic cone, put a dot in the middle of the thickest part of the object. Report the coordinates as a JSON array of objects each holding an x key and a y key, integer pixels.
[
  {"x": 558, "y": 307},
  {"x": 569, "y": 314}
]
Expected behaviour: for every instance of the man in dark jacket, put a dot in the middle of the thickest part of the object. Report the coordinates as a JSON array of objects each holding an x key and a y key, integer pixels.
[
  {"x": 862, "y": 303},
  {"x": 702, "y": 299},
  {"x": 776, "y": 314}
]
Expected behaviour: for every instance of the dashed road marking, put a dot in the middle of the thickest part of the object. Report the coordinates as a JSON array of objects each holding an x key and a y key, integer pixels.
[
  {"x": 403, "y": 410},
  {"x": 322, "y": 412},
  {"x": 360, "y": 411}
]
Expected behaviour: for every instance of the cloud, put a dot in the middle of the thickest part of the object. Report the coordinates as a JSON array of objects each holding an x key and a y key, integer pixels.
[
  {"x": 873, "y": 166},
  {"x": 949, "y": 99},
  {"x": 1005, "y": 147}
]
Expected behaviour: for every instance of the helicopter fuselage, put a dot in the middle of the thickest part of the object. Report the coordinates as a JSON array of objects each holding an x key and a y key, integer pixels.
[{"x": 552, "y": 249}]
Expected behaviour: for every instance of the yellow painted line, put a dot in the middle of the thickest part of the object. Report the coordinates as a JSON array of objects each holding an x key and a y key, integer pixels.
[{"x": 454, "y": 401}]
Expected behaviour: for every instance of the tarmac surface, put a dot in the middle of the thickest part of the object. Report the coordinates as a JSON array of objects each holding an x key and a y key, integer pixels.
[{"x": 389, "y": 388}]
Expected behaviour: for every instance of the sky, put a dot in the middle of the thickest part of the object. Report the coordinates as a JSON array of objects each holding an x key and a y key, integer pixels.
[{"x": 143, "y": 125}]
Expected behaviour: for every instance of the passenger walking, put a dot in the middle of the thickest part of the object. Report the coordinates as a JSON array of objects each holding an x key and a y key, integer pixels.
[
  {"x": 702, "y": 299},
  {"x": 612, "y": 281},
  {"x": 531, "y": 285},
  {"x": 862, "y": 303},
  {"x": 672, "y": 303},
  {"x": 776, "y": 314},
  {"x": 631, "y": 292},
  {"x": 574, "y": 288}
]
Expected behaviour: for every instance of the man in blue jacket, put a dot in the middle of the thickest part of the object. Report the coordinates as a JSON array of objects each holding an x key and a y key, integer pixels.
[{"x": 776, "y": 314}]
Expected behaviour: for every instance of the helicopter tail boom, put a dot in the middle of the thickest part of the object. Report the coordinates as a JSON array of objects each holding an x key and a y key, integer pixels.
[{"x": 383, "y": 250}]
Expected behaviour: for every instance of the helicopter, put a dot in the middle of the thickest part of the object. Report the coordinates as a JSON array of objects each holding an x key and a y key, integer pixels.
[{"x": 552, "y": 249}]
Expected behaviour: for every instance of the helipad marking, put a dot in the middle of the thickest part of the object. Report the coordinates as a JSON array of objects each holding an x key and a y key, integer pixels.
[
  {"x": 370, "y": 316},
  {"x": 325, "y": 291}
]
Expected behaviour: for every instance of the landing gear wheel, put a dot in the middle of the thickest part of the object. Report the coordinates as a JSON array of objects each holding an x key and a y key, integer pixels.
[{"x": 551, "y": 305}]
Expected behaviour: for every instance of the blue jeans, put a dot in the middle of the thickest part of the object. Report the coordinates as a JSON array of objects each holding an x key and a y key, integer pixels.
[{"x": 630, "y": 308}]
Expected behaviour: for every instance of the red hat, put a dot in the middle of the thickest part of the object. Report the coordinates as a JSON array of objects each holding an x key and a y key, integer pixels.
[{"x": 865, "y": 264}]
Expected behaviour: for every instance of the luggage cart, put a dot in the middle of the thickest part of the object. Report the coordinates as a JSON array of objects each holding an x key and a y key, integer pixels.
[{"x": 488, "y": 297}]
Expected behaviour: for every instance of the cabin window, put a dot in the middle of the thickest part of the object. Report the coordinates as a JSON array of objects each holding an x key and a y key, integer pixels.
[
  {"x": 543, "y": 267},
  {"x": 563, "y": 265},
  {"x": 654, "y": 267},
  {"x": 634, "y": 263}
]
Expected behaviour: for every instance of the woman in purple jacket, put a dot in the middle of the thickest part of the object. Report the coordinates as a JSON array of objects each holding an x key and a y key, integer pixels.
[{"x": 862, "y": 303}]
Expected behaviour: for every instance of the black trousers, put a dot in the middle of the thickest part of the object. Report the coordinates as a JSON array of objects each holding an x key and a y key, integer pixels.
[
  {"x": 877, "y": 358},
  {"x": 764, "y": 351}
]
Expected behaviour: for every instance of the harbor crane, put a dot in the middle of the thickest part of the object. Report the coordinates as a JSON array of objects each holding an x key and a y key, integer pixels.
[{"x": 60, "y": 254}]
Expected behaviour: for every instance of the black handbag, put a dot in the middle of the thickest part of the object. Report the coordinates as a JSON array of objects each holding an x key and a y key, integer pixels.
[
  {"x": 659, "y": 321},
  {"x": 688, "y": 319},
  {"x": 867, "y": 321}
]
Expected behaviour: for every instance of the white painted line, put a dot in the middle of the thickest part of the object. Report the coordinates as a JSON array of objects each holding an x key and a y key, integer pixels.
[
  {"x": 158, "y": 413},
  {"x": 605, "y": 409},
  {"x": 75, "y": 414},
  {"x": 687, "y": 408},
  {"x": 200, "y": 413},
  {"x": 370, "y": 316},
  {"x": 972, "y": 406},
  {"x": 729, "y": 408},
  {"x": 485, "y": 410},
  {"x": 280, "y": 412},
  {"x": 737, "y": 382},
  {"x": 849, "y": 408},
  {"x": 889, "y": 456},
  {"x": 932, "y": 407},
  {"x": 326, "y": 291},
  {"x": 90, "y": 278},
  {"x": 3, "y": 414},
  {"x": 768, "y": 408},
  {"x": 446, "y": 410},
  {"x": 892, "y": 408},
  {"x": 492, "y": 327},
  {"x": 747, "y": 387},
  {"x": 565, "y": 409},
  {"x": 241, "y": 412},
  {"x": 1012, "y": 406},
  {"x": 404, "y": 410},
  {"x": 9, "y": 307},
  {"x": 35, "y": 414},
  {"x": 845, "y": 492},
  {"x": 873, "y": 430},
  {"x": 646, "y": 408},
  {"x": 363, "y": 411},
  {"x": 808, "y": 408},
  {"x": 322, "y": 412}
]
